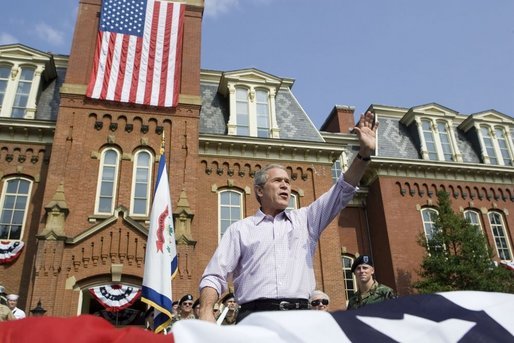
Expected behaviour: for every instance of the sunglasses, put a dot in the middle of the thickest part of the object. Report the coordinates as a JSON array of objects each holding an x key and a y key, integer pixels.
[
  {"x": 187, "y": 304},
  {"x": 319, "y": 302}
]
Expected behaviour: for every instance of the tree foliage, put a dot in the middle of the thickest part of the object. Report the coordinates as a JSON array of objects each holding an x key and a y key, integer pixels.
[{"x": 458, "y": 257}]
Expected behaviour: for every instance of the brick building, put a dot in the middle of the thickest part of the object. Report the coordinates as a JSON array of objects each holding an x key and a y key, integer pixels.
[{"x": 61, "y": 149}]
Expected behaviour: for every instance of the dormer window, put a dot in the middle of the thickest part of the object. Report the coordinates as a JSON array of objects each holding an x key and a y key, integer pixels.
[
  {"x": 496, "y": 146},
  {"x": 24, "y": 73},
  {"x": 21, "y": 98},
  {"x": 435, "y": 133},
  {"x": 437, "y": 141},
  {"x": 252, "y": 112},
  {"x": 251, "y": 94}
]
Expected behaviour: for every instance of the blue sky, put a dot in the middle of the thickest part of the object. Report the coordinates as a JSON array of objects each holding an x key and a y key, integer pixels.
[{"x": 458, "y": 53}]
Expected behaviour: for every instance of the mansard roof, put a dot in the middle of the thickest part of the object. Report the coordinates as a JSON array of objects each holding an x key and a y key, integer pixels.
[{"x": 292, "y": 120}]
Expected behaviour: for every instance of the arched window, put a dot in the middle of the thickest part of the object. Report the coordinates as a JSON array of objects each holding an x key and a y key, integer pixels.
[
  {"x": 444, "y": 138},
  {"x": 242, "y": 112},
  {"x": 429, "y": 216},
  {"x": 336, "y": 169},
  {"x": 262, "y": 113},
  {"x": 230, "y": 204},
  {"x": 5, "y": 71},
  {"x": 14, "y": 205},
  {"x": 430, "y": 143},
  {"x": 141, "y": 183},
  {"x": 474, "y": 219},
  {"x": 503, "y": 146},
  {"x": 501, "y": 240},
  {"x": 488, "y": 144},
  {"x": 293, "y": 202},
  {"x": 350, "y": 285},
  {"x": 107, "y": 181},
  {"x": 22, "y": 92}
]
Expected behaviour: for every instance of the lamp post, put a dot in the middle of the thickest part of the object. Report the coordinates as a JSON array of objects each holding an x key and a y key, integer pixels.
[{"x": 38, "y": 311}]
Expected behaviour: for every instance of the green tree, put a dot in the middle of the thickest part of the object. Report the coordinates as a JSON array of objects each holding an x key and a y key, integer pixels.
[{"x": 458, "y": 256}]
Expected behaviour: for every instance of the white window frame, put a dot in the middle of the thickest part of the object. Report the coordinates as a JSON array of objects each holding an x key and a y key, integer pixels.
[
  {"x": 16, "y": 195},
  {"x": 101, "y": 170},
  {"x": 500, "y": 237},
  {"x": 293, "y": 202},
  {"x": 148, "y": 172},
  {"x": 428, "y": 224},
  {"x": 12, "y": 90},
  {"x": 253, "y": 103},
  {"x": 437, "y": 152},
  {"x": 348, "y": 276},
  {"x": 221, "y": 227},
  {"x": 474, "y": 219},
  {"x": 491, "y": 145}
]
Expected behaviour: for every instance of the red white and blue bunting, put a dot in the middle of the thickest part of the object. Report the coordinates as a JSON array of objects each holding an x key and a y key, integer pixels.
[
  {"x": 508, "y": 264},
  {"x": 115, "y": 297},
  {"x": 10, "y": 250}
]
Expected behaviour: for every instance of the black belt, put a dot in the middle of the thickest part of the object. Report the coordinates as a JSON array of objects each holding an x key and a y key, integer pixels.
[{"x": 275, "y": 305}]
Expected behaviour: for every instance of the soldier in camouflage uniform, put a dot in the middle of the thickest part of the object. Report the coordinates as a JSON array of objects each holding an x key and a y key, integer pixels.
[{"x": 369, "y": 291}]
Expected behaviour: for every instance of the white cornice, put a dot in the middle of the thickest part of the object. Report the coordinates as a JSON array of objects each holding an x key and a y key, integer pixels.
[
  {"x": 461, "y": 172},
  {"x": 268, "y": 149}
]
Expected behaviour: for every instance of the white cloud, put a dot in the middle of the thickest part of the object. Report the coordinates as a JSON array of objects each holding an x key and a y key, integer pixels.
[
  {"x": 213, "y": 8},
  {"x": 49, "y": 34},
  {"x": 6, "y": 38}
]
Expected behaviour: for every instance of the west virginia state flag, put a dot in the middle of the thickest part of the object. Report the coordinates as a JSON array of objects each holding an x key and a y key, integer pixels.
[{"x": 161, "y": 253}]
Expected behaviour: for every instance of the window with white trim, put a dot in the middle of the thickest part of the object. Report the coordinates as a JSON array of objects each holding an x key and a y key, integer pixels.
[
  {"x": 141, "y": 183},
  {"x": 501, "y": 240},
  {"x": 252, "y": 113},
  {"x": 107, "y": 181},
  {"x": 5, "y": 71},
  {"x": 474, "y": 219},
  {"x": 429, "y": 216},
  {"x": 293, "y": 202},
  {"x": 350, "y": 284},
  {"x": 437, "y": 140},
  {"x": 14, "y": 206},
  {"x": 19, "y": 107},
  {"x": 230, "y": 208},
  {"x": 336, "y": 170},
  {"x": 497, "y": 148}
]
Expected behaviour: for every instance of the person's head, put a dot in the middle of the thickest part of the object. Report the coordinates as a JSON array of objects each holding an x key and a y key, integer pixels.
[
  {"x": 174, "y": 307},
  {"x": 196, "y": 308},
  {"x": 229, "y": 301},
  {"x": 12, "y": 300},
  {"x": 272, "y": 188},
  {"x": 186, "y": 304},
  {"x": 363, "y": 268},
  {"x": 319, "y": 301}
]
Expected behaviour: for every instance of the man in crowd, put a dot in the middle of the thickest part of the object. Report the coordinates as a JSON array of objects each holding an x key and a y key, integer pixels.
[
  {"x": 12, "y": 302},
  {"x": 369, "y": 291},
  {"x": 185, "y": 308},
  {"x": 319, "y": 301},
  {"x": 269, "y": 255},
  {"x": 5, "y": 311},
  {"x": 231, "y": 308}
]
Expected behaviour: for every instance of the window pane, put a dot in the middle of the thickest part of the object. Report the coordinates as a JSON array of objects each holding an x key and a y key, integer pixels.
[
  {"x": 428, "y": 135},
  {"x": 488, "y": 144},
  {"x": 14, "y": 206},
  {"x": 504, "y": 150},
  {"x": 336, "y": 170},
  {"x": 500, "y": 239},
  {"x": 445, "y": 141},
  {"x": 230, "y": 209},
  {"x": 139, "y": 206}
]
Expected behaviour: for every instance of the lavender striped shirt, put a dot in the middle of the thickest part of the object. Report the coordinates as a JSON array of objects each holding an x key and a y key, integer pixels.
[{"x": 272, "y": 257}]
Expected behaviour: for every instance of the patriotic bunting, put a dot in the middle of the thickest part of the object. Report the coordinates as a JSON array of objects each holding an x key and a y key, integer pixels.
[
  {"x": 10, "y": 250},
  {"x": 115, "y": 297}
]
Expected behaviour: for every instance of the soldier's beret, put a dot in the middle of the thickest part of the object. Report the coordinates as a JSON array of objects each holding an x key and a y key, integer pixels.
[{"x": 362, "y": 259}]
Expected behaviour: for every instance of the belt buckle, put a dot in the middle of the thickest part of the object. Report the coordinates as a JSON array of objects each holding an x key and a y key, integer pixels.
[{"x": 283, "y": 306}]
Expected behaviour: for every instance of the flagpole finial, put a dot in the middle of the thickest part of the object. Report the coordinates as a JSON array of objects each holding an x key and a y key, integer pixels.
[{"x": 162, "y": 144}]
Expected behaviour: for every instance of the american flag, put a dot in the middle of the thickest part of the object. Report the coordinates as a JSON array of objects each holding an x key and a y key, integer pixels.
[{"x": 138, "y": 52}]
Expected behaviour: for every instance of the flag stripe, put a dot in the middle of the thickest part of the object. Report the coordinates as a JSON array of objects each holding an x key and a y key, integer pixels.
[{"x": 139, "y": 64}]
